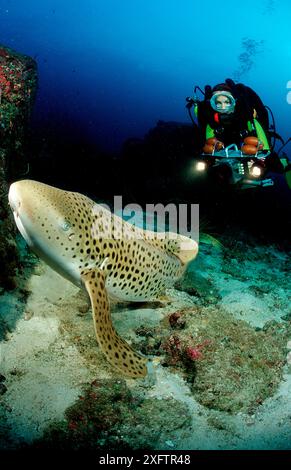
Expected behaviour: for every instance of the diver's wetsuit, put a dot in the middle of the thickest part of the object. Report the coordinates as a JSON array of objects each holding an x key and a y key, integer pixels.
[{"x": 233, "y": 128}]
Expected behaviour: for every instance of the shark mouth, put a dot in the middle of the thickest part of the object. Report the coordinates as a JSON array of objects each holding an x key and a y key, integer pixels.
[
  {"x": 21, "y": 228},
  {"x": 13, "y": 199},
  {"x": 15, "y": 204}
]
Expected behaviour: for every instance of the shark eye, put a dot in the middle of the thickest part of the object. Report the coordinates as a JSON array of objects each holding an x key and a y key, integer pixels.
[{"x": 66, "y": 226}]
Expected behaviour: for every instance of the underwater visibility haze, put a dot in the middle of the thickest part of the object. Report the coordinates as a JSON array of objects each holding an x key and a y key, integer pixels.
[
  {"x": 193, "y": 346},
  {"x": 110, "y": 70}
]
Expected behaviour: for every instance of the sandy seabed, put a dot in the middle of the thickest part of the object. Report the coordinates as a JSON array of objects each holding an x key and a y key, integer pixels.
[{"x": 49, "y": 356}]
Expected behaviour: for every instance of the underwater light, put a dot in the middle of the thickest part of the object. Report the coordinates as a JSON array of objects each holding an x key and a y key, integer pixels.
[
  {"x": 256, "y": 171},
  {"x": 201, "y": 166}
]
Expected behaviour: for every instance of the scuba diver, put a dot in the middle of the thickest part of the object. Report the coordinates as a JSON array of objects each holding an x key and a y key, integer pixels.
[{"x": 231, "y": 112}]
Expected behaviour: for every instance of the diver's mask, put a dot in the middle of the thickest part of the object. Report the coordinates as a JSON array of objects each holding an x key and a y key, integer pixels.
[{"x": 222, "y": 102}]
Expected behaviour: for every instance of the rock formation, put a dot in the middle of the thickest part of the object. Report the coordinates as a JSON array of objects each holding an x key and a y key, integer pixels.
[{"x": 18, "y": 79}]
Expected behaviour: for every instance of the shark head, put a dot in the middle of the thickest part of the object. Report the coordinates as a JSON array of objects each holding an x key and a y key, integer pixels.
[{"x": 49, "y": 220}]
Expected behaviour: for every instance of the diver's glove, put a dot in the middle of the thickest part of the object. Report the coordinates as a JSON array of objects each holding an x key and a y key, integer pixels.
[
  {"x": 251, "y": 146},
  {"x": 212, "y": 144}
]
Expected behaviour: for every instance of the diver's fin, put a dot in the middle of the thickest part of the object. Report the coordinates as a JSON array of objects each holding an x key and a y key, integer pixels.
[
  {"x": 286, "y": 168},
  {"x": 288, "y": 177},
  {"x": 116, "y": 350}
]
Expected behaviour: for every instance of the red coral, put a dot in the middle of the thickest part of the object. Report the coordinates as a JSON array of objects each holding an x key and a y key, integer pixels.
[
  {"x": 73, "y": 425},
  {"x": 194, "y": 352},
  {"x": 5, "y": 84},
  {"x": 3, "y": 53},
  {"x": 174, "y": 348},
  {"x": 12, "y": 82}
]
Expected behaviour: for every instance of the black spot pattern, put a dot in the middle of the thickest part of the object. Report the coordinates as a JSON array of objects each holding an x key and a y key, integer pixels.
[{"x": 116, "y": 350}]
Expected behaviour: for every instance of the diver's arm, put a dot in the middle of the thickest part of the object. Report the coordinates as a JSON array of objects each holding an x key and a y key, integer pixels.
[
  {"x": 261, "y": 134},
  {"x": 209, "y": 132}
]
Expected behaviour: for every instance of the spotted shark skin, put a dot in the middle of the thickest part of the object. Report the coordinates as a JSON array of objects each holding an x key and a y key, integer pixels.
[{"x": 99, "y": 251}]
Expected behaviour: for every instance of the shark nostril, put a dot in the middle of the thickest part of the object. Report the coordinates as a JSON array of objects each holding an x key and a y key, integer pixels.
[{"x": 71, "y": 236}]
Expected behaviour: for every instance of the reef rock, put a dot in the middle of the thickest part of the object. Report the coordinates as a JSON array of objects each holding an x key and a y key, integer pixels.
[{"x": 18, "y": 80}]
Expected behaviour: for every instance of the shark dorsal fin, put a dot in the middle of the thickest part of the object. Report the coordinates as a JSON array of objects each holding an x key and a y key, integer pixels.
[{"x": 184, "y": 248}]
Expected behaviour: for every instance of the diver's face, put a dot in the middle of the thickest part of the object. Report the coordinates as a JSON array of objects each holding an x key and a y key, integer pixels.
[{"x": 222, "y": 103}]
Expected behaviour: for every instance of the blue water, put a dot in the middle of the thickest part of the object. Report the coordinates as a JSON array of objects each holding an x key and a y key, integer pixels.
[{"x": 110, "y": 69}]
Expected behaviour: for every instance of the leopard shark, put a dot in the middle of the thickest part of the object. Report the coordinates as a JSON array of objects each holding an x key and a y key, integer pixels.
[{"x": 99, "y": 251}]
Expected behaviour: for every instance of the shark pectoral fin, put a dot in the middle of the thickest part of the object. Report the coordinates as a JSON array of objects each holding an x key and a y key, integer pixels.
[{"x": 116, "y": 350}]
